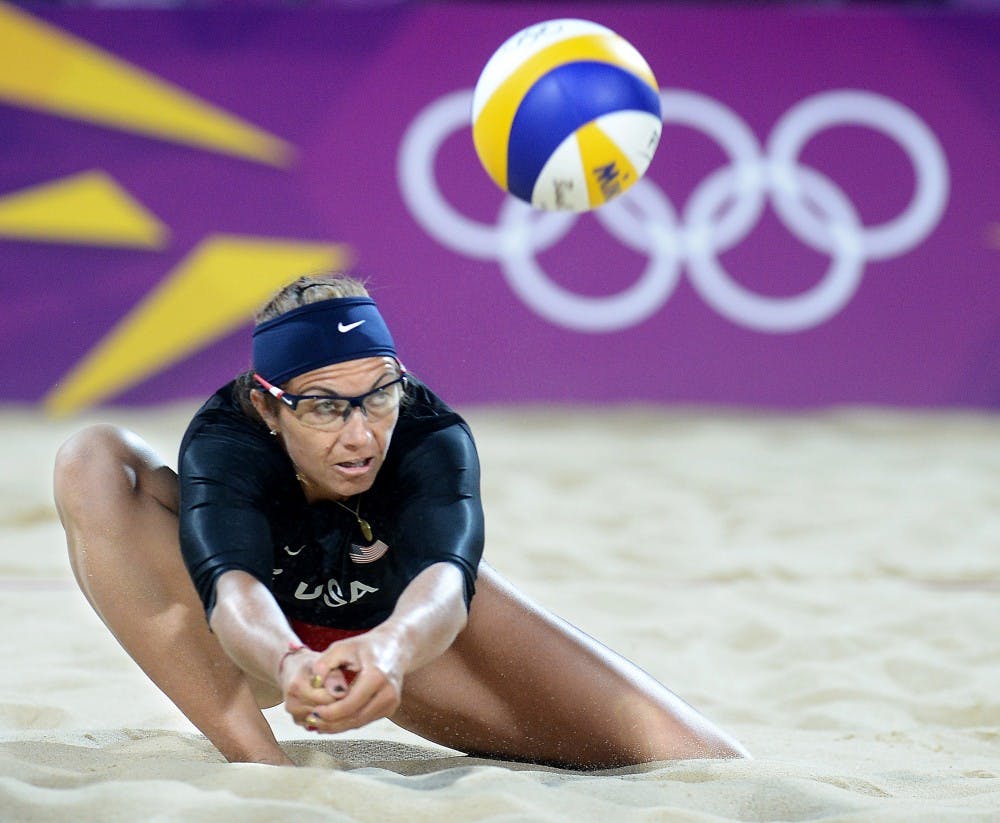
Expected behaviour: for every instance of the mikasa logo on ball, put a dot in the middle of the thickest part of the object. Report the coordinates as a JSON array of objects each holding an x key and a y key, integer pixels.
[{"x": 566, "y": 115}]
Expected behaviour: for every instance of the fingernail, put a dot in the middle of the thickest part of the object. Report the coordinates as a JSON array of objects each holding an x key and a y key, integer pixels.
[{"x": 339, "y": 690}]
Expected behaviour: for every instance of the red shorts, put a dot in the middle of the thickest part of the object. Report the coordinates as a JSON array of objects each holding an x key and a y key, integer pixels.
[{"x": 318, "y": 638}]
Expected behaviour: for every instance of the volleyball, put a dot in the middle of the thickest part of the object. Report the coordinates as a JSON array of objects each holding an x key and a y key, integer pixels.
[{"x": 566, "y": 115}]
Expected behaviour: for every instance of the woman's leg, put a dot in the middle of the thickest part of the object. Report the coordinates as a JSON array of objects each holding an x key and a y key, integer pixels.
[
  {"x": 519, "y": 683},
  {"x": 118, "y": 503}
]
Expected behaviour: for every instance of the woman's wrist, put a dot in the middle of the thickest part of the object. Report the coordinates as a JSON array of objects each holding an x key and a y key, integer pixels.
[
  {"x": 293, "y": 649},
  {"x": 397, "y": 644}
]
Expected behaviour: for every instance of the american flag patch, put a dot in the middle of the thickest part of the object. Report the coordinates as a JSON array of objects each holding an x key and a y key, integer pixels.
[{"x": 368, "y": 554}]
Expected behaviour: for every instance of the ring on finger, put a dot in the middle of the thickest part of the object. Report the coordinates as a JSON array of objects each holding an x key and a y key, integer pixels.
[{"x": 316, "y": 682}]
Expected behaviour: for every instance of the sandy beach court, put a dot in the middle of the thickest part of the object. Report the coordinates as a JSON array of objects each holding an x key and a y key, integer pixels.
[{"x": 826, "y": 586}]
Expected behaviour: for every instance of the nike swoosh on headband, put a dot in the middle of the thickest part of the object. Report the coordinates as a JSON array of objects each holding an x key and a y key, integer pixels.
[{"x": 342, "y": 328}]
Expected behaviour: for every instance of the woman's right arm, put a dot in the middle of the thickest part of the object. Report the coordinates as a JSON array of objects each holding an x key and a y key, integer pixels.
[
  {"x": 255, "y": 634},
  {"x": 227, "y": 473},
  {"x": 250, "y": 626}
]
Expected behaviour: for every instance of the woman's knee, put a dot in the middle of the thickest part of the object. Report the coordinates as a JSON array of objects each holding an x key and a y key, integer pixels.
[
  {"x": 91, "y": 461},
  {"x": 100, "y": 469}
]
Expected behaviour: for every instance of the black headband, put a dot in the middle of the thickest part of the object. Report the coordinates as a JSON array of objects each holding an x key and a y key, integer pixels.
[{"x": 319, "y": 334}]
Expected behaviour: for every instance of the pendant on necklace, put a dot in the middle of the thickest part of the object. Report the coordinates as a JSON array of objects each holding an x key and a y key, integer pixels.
[{"x": 366, "y": 529}]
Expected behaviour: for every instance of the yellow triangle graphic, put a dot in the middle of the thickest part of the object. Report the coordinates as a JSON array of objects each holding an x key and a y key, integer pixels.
[
  {"x": 210, "y": 293},
  {"x": 41, "y": 67},
  {"x": 87, "y": 208}
]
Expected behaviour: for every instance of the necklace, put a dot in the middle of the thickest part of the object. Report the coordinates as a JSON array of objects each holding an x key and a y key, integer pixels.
[{"x": 363, "y": 524}]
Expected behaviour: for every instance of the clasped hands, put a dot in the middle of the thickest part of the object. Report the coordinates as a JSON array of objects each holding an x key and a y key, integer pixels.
[{"x": 352, "y": 683}]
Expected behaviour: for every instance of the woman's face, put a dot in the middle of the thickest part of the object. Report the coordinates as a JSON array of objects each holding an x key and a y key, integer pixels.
[{"x": 340, "y": 463}]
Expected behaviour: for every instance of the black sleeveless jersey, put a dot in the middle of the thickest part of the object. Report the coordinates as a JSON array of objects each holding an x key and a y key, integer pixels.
[{"x": 241, "y": 507}]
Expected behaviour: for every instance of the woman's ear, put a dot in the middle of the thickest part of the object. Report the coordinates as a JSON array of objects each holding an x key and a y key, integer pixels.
[{"x": 264, "y": 410}]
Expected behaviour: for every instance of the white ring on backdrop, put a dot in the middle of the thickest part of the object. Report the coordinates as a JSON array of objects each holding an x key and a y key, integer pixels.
[
  {"x": 860, "y": 108},
  {"x": 800, "y": 311},
  {"x": 719, "y": 214},
  {"x": 596, "y": 314},
  {"x": 418, "y": 182},
  {"x": 734, "y": 137}
]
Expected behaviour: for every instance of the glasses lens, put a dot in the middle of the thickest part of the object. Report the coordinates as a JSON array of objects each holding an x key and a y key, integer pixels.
[
  {"x": 383, "y": 401},
  {"x": 322, "y": 413},
  {"x": 333, "y": 412}
]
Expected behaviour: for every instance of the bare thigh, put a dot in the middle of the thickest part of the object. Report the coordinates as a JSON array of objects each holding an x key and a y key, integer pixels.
[{"x": 519, "y": 683}]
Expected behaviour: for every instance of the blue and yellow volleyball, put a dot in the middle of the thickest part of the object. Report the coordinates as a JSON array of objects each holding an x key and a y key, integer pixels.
[{"x": 566, "y": 115}]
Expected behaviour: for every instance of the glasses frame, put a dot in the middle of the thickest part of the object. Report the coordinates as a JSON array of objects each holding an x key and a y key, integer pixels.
[{"x": 357, "y": 402}]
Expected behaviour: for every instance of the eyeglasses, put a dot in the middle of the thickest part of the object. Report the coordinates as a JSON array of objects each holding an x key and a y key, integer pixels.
[{"x": 331, "y": 412}]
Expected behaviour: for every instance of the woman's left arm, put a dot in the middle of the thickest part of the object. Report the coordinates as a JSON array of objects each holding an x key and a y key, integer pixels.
[
  {"x": 427, "y": 618},
  {"x": 440, "y": 530}
]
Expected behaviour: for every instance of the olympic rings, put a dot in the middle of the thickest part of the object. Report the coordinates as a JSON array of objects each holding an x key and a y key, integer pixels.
[
  {"x": 594, "y": 314},
  {"x": 415, "y": 169},
  {"x": 720, "y": 213}
]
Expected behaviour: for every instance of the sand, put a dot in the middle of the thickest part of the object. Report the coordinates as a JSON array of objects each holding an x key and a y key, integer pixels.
[{"x": 826, "y": 586}]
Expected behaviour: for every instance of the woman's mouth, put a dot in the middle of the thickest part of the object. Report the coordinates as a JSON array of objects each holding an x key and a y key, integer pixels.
[{"x": 353, "y": 468}]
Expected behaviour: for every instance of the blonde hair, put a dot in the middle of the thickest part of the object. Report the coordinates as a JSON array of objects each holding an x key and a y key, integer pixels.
[{"x": 312, "y": 288}]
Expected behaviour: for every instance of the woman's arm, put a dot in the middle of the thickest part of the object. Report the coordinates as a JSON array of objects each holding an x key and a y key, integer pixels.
[
  {"x": 250, "y": 625},
  {"x": 255, "y": 634},
  {"x": 426, "y": 620}
]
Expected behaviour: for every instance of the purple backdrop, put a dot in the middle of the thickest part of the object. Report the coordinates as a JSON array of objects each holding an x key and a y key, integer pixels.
[{"x": 915, "y": 319}]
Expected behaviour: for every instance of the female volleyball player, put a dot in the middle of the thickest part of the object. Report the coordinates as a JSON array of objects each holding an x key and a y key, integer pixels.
[{"x": 327, "y": 519}]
